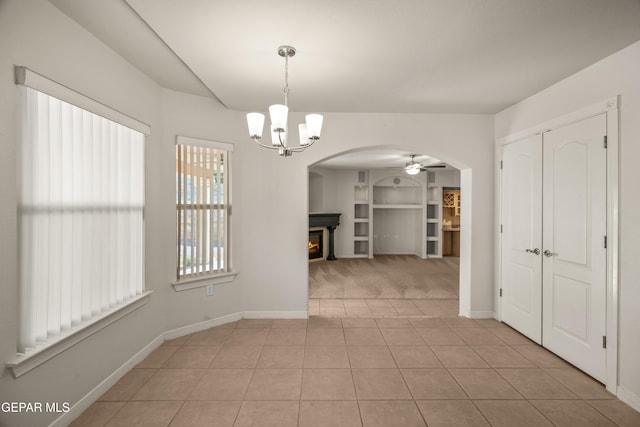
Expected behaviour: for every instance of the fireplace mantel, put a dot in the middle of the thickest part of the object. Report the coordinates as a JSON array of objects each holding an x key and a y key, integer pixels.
[{"x": 324, "y": 219}]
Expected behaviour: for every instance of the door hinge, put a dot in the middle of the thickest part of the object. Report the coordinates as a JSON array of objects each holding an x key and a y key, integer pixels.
[
  {"x": 501, "y": 228},
  {"x": 605, "y": 141},
  {"x": 604, "y": 341},
  {"x": 501, "y": 164},
  {"x": 605, "y": 242},
  {"x": 501, "y": 292}
]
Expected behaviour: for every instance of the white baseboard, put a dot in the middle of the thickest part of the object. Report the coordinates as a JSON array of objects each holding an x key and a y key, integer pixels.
[
  {"x": 275, "y": 314},
  {"x": 91, "y": 397},
  {"x": 201, "y": 326},
  {"x": 629, "y": 398},
  {"x": 481, "y": 315}
]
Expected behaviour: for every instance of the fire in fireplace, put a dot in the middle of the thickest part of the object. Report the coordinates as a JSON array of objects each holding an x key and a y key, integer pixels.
[{"x": 315, "y": 244}]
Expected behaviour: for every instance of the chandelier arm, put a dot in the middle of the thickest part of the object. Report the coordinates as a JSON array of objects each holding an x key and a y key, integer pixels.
[
  {"x": 270, "y": 147},
  {"x": 302, "y": 147}
]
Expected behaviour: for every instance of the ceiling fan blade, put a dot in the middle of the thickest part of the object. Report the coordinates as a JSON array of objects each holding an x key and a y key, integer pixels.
[{"x": 434, "y": 166}]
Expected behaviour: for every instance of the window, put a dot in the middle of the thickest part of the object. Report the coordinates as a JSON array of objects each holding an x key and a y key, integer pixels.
[
  {"x": 203, "y": 207},
  {"x": 81, "y": 213}
]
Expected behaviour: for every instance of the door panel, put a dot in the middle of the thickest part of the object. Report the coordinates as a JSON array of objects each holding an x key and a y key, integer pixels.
[
  {"x": 574, "y": 226},
  {"x": 521, "y": 222}
]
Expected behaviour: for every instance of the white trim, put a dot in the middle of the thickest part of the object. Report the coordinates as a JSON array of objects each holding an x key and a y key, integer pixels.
[
  {"x": 201, "y": 326},
  {"x": 201, "y": 282},
  {"x": 629, "y": 398},
  {"x": 186, "y": 140},
  {"x": 88, "y": 399},
  {"x": 25, "y": 363},
  {"x": 610, "y": 107},
  {"x": 29, "y": 78},
  {"x": 567, "y": 119},
  {"x": 481, "y": 315},
  {"x": 275, "y": 314}
]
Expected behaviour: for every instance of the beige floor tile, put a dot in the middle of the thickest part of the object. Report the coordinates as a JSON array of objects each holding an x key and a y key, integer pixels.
[
  {"x": 192, "y": 357},
  {"x": 370, "y": 356},
  {"x": 325, "y": 336},
  {"x": 210, "y": 414},
  {"x": 451, "y": 413},
  {"x": 267, "y": 414},
  {"x": 415, "y": 356},
  {"x": 170, "y": 384},
  {"x": 323, "y": 322},
  {"x": 275, "y": 384},
  {"x": 281, "y": 356},
  {"x": 332, "y": 312},
  {"x": 287, "y": 336},
  {"x": 499, "y": 356},
  {"x": 177, "y": 341},
  {"x": 254, "y": 324},
  {"x": 329, "y": 414},
  {"x": 214, "y": 336},
  {"x": 489, "y": 323},
  {"x": 460, "y": 322},
  {"x": 327, "y": 384},
  {"x": 427, "y": 322},
  {"x": 540, "y": 357},
  {"x": 618, "y": 412},
  {"x": 237, "y": 356},
  {"x": 222, "y": 384},
  {"x": 145, "y": 413},
  {"x": 289, "y": 324},
  {"x": 98, "y": 414},
  {"x": 580, "y": 383},
  {"x": 510, "y": 336},
  {"x": 359, "y": 323},
  {"x": 128, "y": 385},
  {"x": 157, "y": 357},
  {"x": 380, "y": 307},
  {"x": 248, "y": 337},
  {"x": 314, "y": 307},
  {"x": 484, "y": 384},
  {"x": 477, "y": 336},
  {"x": 571, "y": 413},
  {"x": 326, "y": 356},
  {"x": 458, "y": 357},
  {"x": 394, "y": 323},
  {"x": 397, "y": 413},
  {"x": 439, "y": 336},
  {"x": 406, "y": 307},
  {"x": 380, "y": 384},
  {"x": 536, "y": 384},
  {"x": 510, "y": 413},
  {"x": 432, "y": 384},
  {"x": 363, "y": 336},
  {"x": 401, "y": 336}
]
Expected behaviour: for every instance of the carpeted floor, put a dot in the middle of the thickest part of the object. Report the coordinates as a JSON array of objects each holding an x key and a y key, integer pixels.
[{"x": 385, "y": 276}]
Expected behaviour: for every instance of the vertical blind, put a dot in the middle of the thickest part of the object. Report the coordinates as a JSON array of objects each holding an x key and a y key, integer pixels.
[
  {"x": 80, "y": 217},
  {"x": 202, "y": 202}
]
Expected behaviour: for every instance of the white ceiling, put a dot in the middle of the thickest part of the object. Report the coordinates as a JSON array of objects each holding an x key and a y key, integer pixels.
[
  {"x": 400, "y": 56},
  {"x": 377, "y": 159}
]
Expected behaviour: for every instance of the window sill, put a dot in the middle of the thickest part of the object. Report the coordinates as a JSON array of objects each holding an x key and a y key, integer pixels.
[
  {"x": 25, "y": 363},
  {"x": 201, "y": 282}
]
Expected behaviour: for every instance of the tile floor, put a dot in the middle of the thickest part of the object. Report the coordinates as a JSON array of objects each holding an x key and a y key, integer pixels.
[{"x": 357, "y": 371}]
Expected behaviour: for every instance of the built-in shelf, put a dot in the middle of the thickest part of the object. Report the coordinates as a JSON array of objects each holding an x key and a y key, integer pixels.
[
  {"x": 361, "y": 247},
  {"x": 403, "y": 206},
  {"x": 361, "y": 215},
  {"x": 433, "y": 218}
]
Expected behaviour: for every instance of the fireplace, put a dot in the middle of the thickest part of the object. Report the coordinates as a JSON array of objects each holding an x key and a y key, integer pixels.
[{"x": 315, "y": 244}]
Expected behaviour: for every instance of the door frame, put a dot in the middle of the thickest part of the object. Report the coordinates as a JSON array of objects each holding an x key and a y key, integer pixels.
[{"x": 608, "y": 106}]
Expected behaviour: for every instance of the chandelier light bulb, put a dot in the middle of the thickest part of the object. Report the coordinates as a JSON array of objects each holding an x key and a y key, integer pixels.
[{"x": 256, "y": 124}]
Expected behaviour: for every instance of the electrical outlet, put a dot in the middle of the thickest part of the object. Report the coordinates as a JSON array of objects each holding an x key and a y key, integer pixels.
[{"x": 209, "y": 290}]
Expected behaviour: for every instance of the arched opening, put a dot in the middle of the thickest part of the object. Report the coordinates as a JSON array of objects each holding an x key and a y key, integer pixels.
[{"x": 390, "y": 216}]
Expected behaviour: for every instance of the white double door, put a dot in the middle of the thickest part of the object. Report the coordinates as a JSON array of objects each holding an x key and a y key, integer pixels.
[{"x": 553, "y": 241}]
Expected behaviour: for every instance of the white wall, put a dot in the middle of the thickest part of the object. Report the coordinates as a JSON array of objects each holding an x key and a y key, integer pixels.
[{"x": 615, "y": 75}]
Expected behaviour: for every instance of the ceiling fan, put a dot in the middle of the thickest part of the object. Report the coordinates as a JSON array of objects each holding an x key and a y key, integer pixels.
[{"x": 413, "y": 168}]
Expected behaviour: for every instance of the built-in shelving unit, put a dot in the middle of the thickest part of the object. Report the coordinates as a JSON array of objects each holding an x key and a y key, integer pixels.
[
  {"x": 361, "y": 215},
  {"x": 433, "y": 217}
]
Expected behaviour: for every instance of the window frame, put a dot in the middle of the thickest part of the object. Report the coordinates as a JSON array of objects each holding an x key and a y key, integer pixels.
[{"x": 195, "y": 280}]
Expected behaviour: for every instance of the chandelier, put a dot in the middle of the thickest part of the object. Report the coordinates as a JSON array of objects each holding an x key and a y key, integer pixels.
[{"x": 308, "y": 132}]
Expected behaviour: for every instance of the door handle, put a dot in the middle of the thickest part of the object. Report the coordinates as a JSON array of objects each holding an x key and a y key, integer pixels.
[
  {"x": 533, "y": 251},
  {"x": 547, "y": 253}
]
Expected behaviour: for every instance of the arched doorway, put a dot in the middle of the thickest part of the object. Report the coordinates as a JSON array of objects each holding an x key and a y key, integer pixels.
[{"x": 382, "y": 211}]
